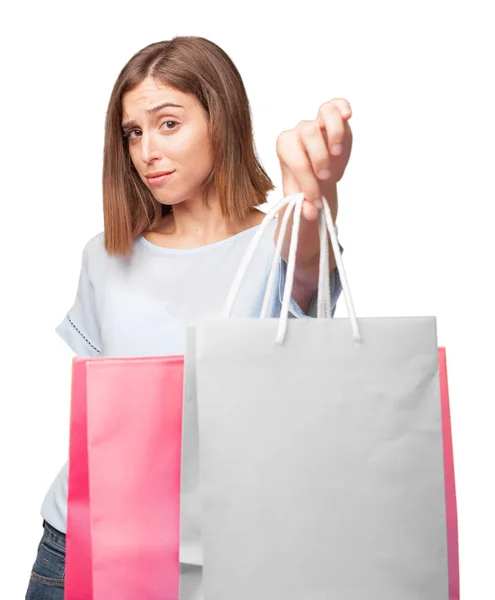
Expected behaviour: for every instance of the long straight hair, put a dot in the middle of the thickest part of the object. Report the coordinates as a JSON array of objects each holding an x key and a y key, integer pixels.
[{"x": 197, "y": 66}]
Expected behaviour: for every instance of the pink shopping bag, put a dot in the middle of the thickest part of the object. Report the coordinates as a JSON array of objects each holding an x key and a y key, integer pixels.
[
  {"x": 124, "y": 479},
  {"x": 450, "y": 494}
]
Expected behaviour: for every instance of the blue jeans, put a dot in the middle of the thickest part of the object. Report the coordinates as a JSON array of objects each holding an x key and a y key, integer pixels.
[{"x": 48, "y": 574}]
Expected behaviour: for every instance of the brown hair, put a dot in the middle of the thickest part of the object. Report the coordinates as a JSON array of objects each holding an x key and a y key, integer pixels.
[{"x": 196, "y": 66}]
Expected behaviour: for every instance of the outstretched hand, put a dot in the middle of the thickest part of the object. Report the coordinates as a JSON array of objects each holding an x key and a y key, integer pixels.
[{"x": 313, "y": 156}]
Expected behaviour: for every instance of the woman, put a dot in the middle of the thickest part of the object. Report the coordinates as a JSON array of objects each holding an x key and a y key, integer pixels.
[{"x": 181, "y": 187}]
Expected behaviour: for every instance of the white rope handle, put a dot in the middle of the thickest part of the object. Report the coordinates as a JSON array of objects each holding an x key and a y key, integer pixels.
[
  {"x": 248, "y": 257},
  {"x": 324, "y": 306},
  {"x": 276, "y": 257},
  {"x": 294, "y": 202},
  {"x": 324, "y": 299},
  {"x": 343, "y": 276},
  {"x": 291, "y": 269}
]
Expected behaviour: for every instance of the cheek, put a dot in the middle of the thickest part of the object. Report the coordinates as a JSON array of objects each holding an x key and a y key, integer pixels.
[
  {"x": 202, "y": 162},
  {"x": 199, "y": 157},
  {"x": 134, "y": 154},
  {"x": 194, "y": 138}
]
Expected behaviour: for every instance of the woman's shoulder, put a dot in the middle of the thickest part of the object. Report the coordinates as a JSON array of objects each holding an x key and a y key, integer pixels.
[
  {"x": 95, "y": 243},
  {"x": 94, "y": 249},
  {"x": 96, "y": 260}
]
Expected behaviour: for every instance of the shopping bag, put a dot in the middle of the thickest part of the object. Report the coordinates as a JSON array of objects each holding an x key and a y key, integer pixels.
[
  {"x": 124, "y": 479},
  {"x": 450, "y": 492},
  {"x": 191, "y": 546},
  {"x": 191, "y": 550},
  {"x": 320, "y": 449}
]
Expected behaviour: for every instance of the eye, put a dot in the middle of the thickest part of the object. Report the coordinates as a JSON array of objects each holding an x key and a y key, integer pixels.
[
  {"x": 128, "y": 134},
  {"x": 170, "y": 121}
]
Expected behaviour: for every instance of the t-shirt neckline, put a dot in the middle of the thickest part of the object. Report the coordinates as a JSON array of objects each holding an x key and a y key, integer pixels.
[{"x": 163, "y": 250}]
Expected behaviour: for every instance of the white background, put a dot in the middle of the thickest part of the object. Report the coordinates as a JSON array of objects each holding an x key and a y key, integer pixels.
[{"x": 416, "y": 201}]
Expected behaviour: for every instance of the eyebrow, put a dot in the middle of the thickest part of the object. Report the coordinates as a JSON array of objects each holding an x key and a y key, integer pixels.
[{"x": 153, "y": 110}]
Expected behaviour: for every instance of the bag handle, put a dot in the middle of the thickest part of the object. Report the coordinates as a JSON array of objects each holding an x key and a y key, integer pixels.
[
  {"x": 294, "y": 203},
  {"x": 324, "y": 310},
  {"x": 324, "y": 307}
]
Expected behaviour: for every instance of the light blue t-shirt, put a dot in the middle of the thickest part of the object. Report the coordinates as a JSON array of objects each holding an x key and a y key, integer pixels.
[{"x": 141, "y": 306}]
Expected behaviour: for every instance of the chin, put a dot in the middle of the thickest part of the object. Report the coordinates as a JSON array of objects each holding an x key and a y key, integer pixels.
[{"x": 170, "y": 203}]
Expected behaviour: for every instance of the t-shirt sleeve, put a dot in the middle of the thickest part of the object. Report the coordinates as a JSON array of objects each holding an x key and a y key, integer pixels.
[
  {"x": 80, "y": 328},
  {"x": 294, "y": 308}
]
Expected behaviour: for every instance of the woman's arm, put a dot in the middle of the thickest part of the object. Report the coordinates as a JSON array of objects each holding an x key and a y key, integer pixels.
[
  {"x": 313, "y": 157},
  {"x": 308, "y": 252}
]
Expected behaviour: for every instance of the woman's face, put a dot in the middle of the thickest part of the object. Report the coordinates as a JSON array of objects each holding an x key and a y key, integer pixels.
[{"x": 167, "y": 138}]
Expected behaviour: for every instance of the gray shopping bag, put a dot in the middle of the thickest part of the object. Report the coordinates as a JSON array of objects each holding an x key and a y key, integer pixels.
[
  {"x": 190, "y": 507},
  {"x": 320, "y": 452},
  {"x": 190, "y": 550}
]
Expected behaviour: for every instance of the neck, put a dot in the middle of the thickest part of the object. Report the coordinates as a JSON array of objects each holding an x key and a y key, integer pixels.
[{"x": 192, "y": 220}]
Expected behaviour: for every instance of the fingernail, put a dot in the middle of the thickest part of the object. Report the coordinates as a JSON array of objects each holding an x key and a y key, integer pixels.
[
  {"x": 323, "y": 174},
  {"x": 337, "y": 149},
  {"x": 318, "y": 204}
]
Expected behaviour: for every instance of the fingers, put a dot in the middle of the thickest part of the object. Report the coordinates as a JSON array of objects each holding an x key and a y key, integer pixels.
[
  {"x": 315, "y": 152},
  {"x": 341, "y": 103},
  {"x": 309, "y": 211},
  {"x": 312, "y": 139},
  {"x": 331, "y": 121},
  {"x": 298, "y": 163}
]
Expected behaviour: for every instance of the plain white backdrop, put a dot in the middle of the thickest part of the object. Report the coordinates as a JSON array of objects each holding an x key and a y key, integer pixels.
[{"x": 416, "y": 201}]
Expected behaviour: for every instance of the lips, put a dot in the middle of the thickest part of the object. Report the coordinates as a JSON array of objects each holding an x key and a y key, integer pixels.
[
  {"x": 157, "y": 180},
  {"x": 158, "y": 174}
]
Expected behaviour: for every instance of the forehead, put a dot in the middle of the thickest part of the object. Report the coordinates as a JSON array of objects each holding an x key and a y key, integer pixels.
[{"x": 148, "y": 94}]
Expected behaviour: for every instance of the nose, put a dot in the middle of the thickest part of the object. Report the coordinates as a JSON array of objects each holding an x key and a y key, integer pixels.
[{"x": 150, "y": 148}]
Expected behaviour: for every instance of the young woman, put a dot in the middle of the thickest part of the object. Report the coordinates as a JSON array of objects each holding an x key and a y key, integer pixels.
[{"x": 181, "y": 187}]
